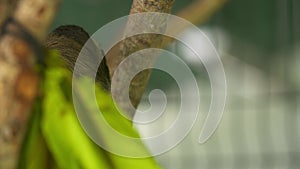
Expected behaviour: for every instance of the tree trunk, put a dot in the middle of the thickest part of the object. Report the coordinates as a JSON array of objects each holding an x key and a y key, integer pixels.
[{"x": 18, "y": 76}]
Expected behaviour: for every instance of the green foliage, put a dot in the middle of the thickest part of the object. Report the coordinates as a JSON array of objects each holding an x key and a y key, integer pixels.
[
  {"x": 66, "y": 140},
  {"x": 34, "y": 145}
]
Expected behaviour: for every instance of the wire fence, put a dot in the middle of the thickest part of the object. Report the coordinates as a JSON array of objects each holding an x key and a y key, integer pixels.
[{"x": 260, "y": 128}]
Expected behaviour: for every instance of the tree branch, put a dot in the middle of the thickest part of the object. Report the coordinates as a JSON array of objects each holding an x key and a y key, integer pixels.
[
  {"x": 133, "y": 44},
  {"x": 18, "y": 78},
  {"x": 197, "y": 12}
]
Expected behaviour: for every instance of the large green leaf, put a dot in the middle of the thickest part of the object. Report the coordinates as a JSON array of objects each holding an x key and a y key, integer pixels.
[{"x": 65, "y": 137}]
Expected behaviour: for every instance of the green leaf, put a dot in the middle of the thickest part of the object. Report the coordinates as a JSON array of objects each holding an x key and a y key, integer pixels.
[
  {"x": 67, "y": 141},
  {"x": 65, "y": 137},
  {"x": 34, "y": 144}
]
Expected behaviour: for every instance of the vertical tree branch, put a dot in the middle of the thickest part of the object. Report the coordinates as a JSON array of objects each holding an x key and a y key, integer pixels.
[
  {"x": 18, "y": 78},
  {"x": 134, "y": 44}
]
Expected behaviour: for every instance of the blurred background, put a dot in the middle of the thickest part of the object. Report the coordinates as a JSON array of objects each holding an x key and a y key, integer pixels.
[{"x": 258, "y": 42}]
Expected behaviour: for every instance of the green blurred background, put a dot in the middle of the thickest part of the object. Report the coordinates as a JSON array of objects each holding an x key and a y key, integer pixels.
[{"x": 258, "y": 42}]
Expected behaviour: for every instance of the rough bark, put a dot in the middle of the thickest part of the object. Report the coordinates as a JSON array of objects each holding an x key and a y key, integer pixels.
[
  {"x": 18, "y": 77},
  {"x": 134, "y": 44}
]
